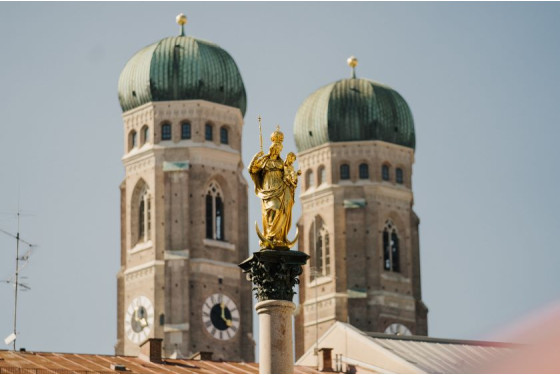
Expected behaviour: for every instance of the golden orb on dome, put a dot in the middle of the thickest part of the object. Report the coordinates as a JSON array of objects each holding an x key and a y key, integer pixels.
[
  {"x": 352, "y": 61},
  {"x": 181, "y": 19}
]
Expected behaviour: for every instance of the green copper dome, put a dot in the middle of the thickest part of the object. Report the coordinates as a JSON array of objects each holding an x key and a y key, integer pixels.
[
  {"x": 181, "y": 68},
  {"x": 353, "y": 110}
]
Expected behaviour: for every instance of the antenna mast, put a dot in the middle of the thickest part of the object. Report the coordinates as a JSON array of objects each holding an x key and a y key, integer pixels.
[
  {"x": 17, "y": 280},
  {"x": 12, "y": 337}
]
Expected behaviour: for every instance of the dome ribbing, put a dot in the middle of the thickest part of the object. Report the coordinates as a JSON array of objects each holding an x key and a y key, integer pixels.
[
  {"x": 181, "y": 68},
  {"x": 353, "y": 110}
]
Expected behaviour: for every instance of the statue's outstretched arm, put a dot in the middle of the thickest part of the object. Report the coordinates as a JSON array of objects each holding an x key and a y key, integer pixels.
[{"x": 256, "y": 163}]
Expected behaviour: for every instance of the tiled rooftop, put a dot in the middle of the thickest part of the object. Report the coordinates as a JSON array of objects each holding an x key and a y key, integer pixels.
[{"x": 27, "y": 362}]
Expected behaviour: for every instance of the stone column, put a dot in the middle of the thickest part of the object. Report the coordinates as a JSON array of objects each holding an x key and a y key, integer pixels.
[
  {"x": 274, "y": 274},
  {"x": 275, "y": 337}
]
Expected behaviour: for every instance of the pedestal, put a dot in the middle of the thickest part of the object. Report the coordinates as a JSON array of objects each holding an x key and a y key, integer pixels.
[
  {"x": 276, "y": 354},
  {"x": 274, "y": 274}
]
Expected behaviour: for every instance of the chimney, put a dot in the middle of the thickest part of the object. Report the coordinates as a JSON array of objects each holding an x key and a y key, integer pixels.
[
  {"x": 150, "y": 350},
  {"x": 325, "y": 360},
  {"x": 117, "y": 367},
  {"x": 201, "y": 356}
]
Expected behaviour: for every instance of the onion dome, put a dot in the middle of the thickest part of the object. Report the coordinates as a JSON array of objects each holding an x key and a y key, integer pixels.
[
  {"x": 353, "y": 109},
  {"x": 181, "y": 68}
]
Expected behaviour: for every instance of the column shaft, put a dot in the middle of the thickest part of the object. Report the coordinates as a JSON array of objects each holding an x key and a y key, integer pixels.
[{"x": 276, "y": 354}]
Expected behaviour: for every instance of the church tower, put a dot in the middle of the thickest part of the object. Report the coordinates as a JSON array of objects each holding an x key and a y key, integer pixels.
[
  {"x": 355, "y": 141},
  {"x": 183, "y": 203}
]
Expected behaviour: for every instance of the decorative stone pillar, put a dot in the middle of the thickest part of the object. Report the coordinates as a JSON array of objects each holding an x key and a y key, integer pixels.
[{"x": 274, "y": 274}]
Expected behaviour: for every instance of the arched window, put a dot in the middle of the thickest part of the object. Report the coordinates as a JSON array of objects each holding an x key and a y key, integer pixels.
[
  {"x": 399, "y": 174},
  {"x": 321, "y": 175},
  {"x": 215, "y": 223},
  {"x": 145, "y": 134},
  {"x": 308, "y": 179},
  {"x": 385, "y": 172},
  {"x": 224, "y": 135},
  {"x": 208, "y": 130},
  {"x": 186, "y": 130},
  {"x": 391, "y": 261},
  {"x": 344, "y": 172},
  {"x": 165, "y": 132},
  {"x": 141, "y": 219},
  {"x": 141, "y": 214},
  {"x": 132, "y": 140},
  {"x": 364, "y": 171},
  {"x": 319, "y": 249}
]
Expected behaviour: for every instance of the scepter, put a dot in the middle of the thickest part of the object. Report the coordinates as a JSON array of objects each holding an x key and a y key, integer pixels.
[{"x": 260, "y": 131}]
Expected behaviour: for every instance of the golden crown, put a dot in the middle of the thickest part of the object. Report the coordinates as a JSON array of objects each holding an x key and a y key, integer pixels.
[{"x": 277, "y": 136}]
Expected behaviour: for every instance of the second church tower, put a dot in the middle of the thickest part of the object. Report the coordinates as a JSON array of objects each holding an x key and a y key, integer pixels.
[{"x": 356, "y": 140}]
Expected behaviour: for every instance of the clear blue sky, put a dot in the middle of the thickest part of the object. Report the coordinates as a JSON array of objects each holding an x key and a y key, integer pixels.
[{"x": 481, "y": 80}]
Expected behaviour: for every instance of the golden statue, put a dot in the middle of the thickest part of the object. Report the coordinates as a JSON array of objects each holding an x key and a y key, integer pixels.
[{"x": 275, "y": 184}]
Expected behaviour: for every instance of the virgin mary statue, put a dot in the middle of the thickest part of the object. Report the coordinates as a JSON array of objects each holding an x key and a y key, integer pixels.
[{"x": 276, "y": 191}]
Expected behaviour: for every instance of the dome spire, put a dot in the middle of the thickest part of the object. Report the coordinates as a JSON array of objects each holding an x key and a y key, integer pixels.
[
  {"x": 352, "y": 63},
  {"x": 182, "y": 21}
]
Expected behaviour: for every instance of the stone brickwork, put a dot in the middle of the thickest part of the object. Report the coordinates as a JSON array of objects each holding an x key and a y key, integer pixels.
[
  {"x": 173, "y": 263},
  {"x": 355, "y": 211}
]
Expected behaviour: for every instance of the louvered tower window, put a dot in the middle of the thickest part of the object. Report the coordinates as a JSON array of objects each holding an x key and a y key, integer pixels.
[
  {"x": 319, "y": 249},
  {"x": 215, "y": 223},
  {"x": 391, "y": 258},
  {"x": 144, "y": 220}
]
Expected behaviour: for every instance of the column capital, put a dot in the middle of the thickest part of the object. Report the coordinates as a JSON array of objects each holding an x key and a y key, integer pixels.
[{"x": 274, "y": 273}]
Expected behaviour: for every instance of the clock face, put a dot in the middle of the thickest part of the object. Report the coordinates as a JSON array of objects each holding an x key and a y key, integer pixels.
[
  {"x": 398, "y": 329},
  {"x": 220, "y": 316},
  {"x": 139, "y": 319}
]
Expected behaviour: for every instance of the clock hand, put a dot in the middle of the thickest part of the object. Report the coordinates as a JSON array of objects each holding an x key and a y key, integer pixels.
[
  {"x": 223, "y": 316},
  {"x": 227, "y": 321},
  {"x": 141, "y": 320}
]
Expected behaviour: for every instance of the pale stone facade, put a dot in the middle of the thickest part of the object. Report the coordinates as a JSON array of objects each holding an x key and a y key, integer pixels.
[
  {"x": 342, "y": 229},
  {"x": 167, "y": 254}
]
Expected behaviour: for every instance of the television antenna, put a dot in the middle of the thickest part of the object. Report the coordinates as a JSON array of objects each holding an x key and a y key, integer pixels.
[{"x": 15, "y": 279}]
